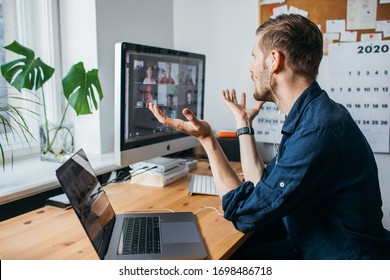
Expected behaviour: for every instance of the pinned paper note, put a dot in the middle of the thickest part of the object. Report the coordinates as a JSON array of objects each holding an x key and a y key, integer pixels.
[
  {"x": 295, "y": 10},
  {"x": 267, "y": 2},
  {"x": 383, "y": 26},
  {"x": 361, "y": 14},
  {"x": 335, "y": 26},
  {"x": 348, "y": 36},
  {"x": 282, "y": 10},
  {"x": 371, "y": 37},
  {"x": 332, "y": 36}
]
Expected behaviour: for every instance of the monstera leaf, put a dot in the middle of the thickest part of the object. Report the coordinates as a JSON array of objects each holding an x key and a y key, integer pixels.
[
  {"x": 28, "y": 72},
  {"x": 81, "y": 88}
]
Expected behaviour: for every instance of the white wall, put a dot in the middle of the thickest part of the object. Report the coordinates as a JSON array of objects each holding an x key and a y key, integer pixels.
[
  {"x": 89, "y": 31},
  {"x": 78, "y": 43},
  {"x": 223, "y": 30},
  {"x": 147, "y": 22}
]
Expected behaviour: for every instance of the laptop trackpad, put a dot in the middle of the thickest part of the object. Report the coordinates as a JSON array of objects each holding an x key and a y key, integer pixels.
[{"x": 180, "y": 232}]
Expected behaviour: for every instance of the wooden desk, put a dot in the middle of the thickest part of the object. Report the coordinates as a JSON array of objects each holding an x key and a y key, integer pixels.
[{"x": 53, "y": 233}]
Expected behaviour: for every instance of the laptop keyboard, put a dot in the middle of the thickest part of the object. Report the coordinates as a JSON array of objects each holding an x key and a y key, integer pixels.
[{"x": 140, "y": 235}]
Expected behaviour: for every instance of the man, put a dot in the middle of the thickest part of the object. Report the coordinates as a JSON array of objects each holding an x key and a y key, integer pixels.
[
  {"x": 189, "y": 97},
  {"x": 170, "y": 109},
  {"x": 167, "y": 79},
  {"x": 323, "y": 181},
  {"x": 148, "y": 96}
]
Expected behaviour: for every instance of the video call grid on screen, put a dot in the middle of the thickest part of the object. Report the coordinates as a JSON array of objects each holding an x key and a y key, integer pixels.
[{"x": 170, "y": 81}]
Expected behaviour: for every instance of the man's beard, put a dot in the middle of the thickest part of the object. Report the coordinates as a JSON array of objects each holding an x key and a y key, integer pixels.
[{"x": 262, "y": 87}]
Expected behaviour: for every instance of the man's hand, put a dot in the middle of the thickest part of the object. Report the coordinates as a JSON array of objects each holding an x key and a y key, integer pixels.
[
  {"x": 225, "y": 178},
  {"x": 244, "y": 116},
  {"x": 251, "y": 161},
  {"x": 200, "y": 129}
]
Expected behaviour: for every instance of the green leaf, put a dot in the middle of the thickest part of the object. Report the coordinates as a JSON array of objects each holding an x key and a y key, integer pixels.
[
  {"x": 28, "y": 72},
  {"x": 81, "y": 88},
  {"x": 12, "y": 122}
]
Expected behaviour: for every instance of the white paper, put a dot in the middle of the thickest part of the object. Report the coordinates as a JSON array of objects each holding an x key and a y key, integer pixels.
[
  {"x": 332, "y": 36},
  {"x": 371, "y": 37},
  {"x": 359, "y": 79},
  {"x": 267, "y": 2},
  {"x": 382, "y": 24},
  {"x": 386, "y": 32},
  {"x": 282, "y": 10},
  {"x": 348, "y": 36},
  {"x": 335, "y": 26},
  {"x": 268, "y": 124},
  {"x": 295, "y": 10},
  {"x": 384, "y": 1},
  {"x": 361, "y": 14}
]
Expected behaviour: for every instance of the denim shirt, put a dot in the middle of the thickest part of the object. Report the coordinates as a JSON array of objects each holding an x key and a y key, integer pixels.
[{"x": 324, "y": 185}]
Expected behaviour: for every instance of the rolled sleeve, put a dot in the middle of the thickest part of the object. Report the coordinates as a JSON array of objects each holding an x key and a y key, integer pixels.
[
  {"x": 249, "y": 207},
  {"x": 232, "y": 200}
]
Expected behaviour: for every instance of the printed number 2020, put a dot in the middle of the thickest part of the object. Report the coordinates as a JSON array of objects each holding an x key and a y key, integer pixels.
[{"x": 373, "y": 49}]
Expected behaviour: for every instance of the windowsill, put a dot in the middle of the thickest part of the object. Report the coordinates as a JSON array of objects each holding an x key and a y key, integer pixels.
[{"x": 32, "y": 176}]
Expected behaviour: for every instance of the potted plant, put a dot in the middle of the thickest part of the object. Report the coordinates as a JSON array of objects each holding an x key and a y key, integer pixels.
[
  {"x": 81, "y": 89},
  {"x": 12, "y": 120}
]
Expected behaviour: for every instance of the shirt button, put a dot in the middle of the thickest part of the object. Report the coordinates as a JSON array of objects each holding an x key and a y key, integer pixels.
[{"x": 281, "y": 184}]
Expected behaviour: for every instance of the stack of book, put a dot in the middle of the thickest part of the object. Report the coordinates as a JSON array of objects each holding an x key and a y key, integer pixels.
[{"x": 155, "y": 177}]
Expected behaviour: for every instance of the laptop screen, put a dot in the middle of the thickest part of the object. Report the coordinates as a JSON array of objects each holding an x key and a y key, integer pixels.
[{"x": 88, "y": 199}]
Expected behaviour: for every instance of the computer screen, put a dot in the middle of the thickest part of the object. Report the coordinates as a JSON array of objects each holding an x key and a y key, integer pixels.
[{"x": 171, "y": 79}]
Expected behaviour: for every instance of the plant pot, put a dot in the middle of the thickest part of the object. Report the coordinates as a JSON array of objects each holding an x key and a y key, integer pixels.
[{"x": 56, "y": 141}]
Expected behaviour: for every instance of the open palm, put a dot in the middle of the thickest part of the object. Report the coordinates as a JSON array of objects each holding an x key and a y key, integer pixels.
[
  {"x": 239, "y": 110},
  {"x": 198, "y": 128}
]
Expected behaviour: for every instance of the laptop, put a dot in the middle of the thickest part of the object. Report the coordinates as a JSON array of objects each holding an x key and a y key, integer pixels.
[{"x": 126, "y": 236}]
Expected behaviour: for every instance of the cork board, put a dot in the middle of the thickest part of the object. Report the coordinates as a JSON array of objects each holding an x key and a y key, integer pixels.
[{"x": 322, "y": 10}]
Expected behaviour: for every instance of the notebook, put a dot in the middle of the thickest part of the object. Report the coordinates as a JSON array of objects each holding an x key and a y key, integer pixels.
[{"x": 172, "y": 235}]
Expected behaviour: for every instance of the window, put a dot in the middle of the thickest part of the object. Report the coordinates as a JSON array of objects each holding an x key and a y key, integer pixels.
[
  {"x": 6, "y": 19},
  {"x": 35, "y": 25}
]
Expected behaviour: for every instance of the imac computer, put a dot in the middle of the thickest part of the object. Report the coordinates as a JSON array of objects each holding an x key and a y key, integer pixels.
[{"x": 171, "y": 79}]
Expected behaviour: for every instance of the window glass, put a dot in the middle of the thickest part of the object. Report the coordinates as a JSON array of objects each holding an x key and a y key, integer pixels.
[{"x": 27, "y": 22}]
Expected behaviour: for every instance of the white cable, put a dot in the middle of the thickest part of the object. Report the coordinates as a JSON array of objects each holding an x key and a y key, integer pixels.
[
  {"x": 275, "y": 146},
  {"x": 208, "y": 207}
]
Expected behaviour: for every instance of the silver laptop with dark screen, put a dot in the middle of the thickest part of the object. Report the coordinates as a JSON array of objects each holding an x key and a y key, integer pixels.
[{"x": 126, "y": 236}]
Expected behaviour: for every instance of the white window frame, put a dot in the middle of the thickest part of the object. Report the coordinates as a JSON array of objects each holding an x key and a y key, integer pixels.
[{"x": 38, "y": 29}]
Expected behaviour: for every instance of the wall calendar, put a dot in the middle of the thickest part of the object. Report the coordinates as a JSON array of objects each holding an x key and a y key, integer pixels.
[
  {"x": 359, "y": 79},
  {"x": 268, "y": 124}
]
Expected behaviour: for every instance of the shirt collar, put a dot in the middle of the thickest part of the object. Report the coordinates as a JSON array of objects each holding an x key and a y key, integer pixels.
[{"x": 299, "y": 106}]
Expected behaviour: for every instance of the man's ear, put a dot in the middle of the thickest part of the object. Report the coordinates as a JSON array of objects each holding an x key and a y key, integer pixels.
[{"x": 277, "y": 61}]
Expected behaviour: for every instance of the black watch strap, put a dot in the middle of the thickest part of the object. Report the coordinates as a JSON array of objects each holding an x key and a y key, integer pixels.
[{"x": 245, "y": 130}]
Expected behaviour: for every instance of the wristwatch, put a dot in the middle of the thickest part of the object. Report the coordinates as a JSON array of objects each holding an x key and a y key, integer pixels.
[{"x": 245, "y": 130}]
